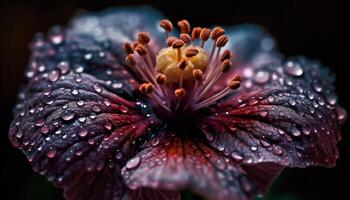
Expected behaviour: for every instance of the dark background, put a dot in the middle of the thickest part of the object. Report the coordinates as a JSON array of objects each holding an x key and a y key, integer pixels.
[{"x": 312, "y": 28}]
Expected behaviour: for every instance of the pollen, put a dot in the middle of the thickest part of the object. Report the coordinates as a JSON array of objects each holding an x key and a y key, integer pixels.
[
  {"x": 167, "y": 62},
  {"x": 186, "y": 74}
]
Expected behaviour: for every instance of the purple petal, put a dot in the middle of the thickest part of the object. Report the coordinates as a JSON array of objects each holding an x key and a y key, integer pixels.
[
  {"x": 177, "y": 164},
  {"x": 76, "y": 119},
  {"x": 285, "y": 112}
]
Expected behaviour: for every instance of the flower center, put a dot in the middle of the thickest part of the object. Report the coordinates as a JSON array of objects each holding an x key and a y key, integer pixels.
[{"x": 180, "y": 78}]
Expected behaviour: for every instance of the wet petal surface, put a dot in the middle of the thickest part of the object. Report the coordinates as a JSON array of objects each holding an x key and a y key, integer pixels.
[{"x": 177, "y": 164}]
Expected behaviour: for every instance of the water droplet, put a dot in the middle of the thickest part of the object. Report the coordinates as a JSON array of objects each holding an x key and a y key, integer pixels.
[
  {"x": 64, "y": 67},
  {"x": 68, "y": 116},
  {"x": 295, "y": 132},
  {"x": 133, "y": 163},
  {"x": 97, "y": 88},
  {"x": 306, "y": 130},
  {"x": 262, "y": 77},
  {"x": 45, "y": 129},
  {"x": 82, "y": 119},
  {"x": 293, "y": 68},
  {"x": 96, "y": 108},
  {"x": 331, "y": 99},
  {"x": 253, "y": 148},
  {"x": 51, "y": 153},
  {"x": 292, "y": 102},
  {"x": 265, "y": 143},
  {"x": 123, "y": 109},
  {"x": 271, "y": 99},
  {"x": 277, "y": 150},
  {"x": 117, "y": 85},
  {"x": 83, "y": 132},
  {"x": 39, "y": 122},
  {"x": 54, "y": 75},
  {"x": 317, "y": 87},
  {"x": 57, "y": 38},
  {"x": 75, "y": 92},
  {"x": 77, "y": 78},
  {"x": 263, "y": 113},
  {"x": 155, "y": 142},
  {"x": 236, "y": 156},
  {"x": 106, "y": 102},
  {"x": 88, "y": 56},
  {"x": 80, "y": 103}
]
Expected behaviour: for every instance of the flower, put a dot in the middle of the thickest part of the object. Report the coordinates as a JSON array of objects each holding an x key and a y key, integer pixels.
[{"x": 220, "y": 112}]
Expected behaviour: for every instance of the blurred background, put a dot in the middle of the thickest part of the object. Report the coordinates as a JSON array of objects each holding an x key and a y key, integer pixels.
[{"x": 313, "y": 28}]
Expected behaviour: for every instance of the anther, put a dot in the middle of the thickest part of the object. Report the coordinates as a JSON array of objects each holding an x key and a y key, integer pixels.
[
  {"x": 235, "y": 82},
  {"x": 185, "y": 37},
  {"x": 143, "y": 37},
  {"x": 221, "y": 41},
  {"x": 160, "y": 78},
  {"x": 166, "y": 25},
  {"x": 225, "y": 66},
  {"x": 205, "y": 34},
  {"x": 196, "y": 32},
  {"x": 197, "y": 74},
  {"x": 226, "y": 55},
  {"x": 184, "y": 26},
  {"x": 180, "y": 92},
  {"x": 141, "y": 50},
  {"x": 128, "y": 48},
  {"x": 142, "y": 88},
  {"x": 178, "y": 44},
  {"x": 149, "y": 88},
  {"x": 217, "y": 32},
  {"x": 182, "y": 64},
  {"x": 170, "y": 40},
  {"x": 130, "y": 60},
  {"x": 191, "y": 52}
]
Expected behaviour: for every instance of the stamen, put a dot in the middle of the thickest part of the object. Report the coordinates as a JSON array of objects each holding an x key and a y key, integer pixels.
[
  {"x": 181, "y": 76},
  {"x": 226, "y": 55},
  {"x": 191, "y": 52},
  {"x": 177, "y": 44},
  {"x": 143, "y": 38},
  {"x": 184, "y": 26},
  {"x": 196, "y": 32},
  {"x": 170, "y": 41},
  {"x": 128, "y": 48},
  {"x": 167, "y": 26},
  {"x": 204, "y": 36},
  {"x": 217, "y": 32},
  {"x": 186, "y": 38}
]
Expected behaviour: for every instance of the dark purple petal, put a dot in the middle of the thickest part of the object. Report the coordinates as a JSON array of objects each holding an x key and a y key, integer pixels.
[
  {"x": 176, "y": 164},
  {"x": 285, "y": 112},
  {"x": 77, "y": 120}
]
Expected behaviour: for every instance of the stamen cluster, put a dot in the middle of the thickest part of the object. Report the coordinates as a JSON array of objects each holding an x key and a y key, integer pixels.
[{"x": 180, "y": 76}]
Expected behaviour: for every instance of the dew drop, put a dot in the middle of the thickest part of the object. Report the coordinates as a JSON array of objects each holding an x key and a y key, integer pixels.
[
  {"x": 54, "y": 75},
  {"x": 133, "y": 163},
  {"x": 45, "y": 129},
  {"x": 306, "y": 130},
  {"x": 262, "y": 77},
  {"x": 77, "y": 78},
  {"x": 64, "y": 67},
  {"x": 236, "y": 156},
  {"x": 277, "y": 150},
  {"x": 75, "y": 92},
  {"x": 295, "y": 132},
  {"x": 293, "y": 68},
  {"x": 83, "y": 132},
  {"x": 80, "y": 103},
  {"x": 253, "y": 148},
  {"x": 97, "y": 88},
  {"x": 263, "y": 113},
  {"x": 271, "y": 99},
  {"x": 96, "y": 108},
  {"x": 317, "y": 87},
  {"x": 292, "y": 102},
  {"x": 68, "y": 116},
  {"x": 51, "y": 153},
  {"x": 155, "y": 142},
  {"x": 123, "y": 109},
  {"x": 39, "y": 122}
]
